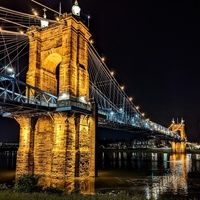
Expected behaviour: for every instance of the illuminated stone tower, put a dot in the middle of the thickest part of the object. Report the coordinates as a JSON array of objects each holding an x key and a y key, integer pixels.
[
  {"x": 59, "y": 145},
  {"x": 179, "y": 147}
]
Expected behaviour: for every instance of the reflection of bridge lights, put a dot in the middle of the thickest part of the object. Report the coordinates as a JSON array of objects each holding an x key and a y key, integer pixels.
[{"x": 148, "y": 195}]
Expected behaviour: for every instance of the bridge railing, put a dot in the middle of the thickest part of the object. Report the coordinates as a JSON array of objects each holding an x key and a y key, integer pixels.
[{"x": 13, "y": 90}]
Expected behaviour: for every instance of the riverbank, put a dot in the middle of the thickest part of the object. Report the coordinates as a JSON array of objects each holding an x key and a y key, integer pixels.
[
  {"x": 140, "y": 172},
  {"x": 11, "y": 195}
]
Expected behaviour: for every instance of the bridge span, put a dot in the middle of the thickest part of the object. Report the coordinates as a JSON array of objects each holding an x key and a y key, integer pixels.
[{"x": 16, "y": 100}]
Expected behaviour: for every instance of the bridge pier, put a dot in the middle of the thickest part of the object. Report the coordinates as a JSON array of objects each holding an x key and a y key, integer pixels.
[
  {"x": 25, "y": 150},
  {"x": 179, "y": 146},
  {"x": 60, "y": 147}
]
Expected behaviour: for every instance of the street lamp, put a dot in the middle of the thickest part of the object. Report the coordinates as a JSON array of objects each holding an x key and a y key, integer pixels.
[
  {"x": 122, "y": 87},
  {"x": 103, "y": 59},
  {"x": 35, "y": 12},
  {"x": 88, "y": 21},
  {"x": 130, "y": 98},
  {"x": 8, "y": 69},
  {"x": 91, "y": 41}
]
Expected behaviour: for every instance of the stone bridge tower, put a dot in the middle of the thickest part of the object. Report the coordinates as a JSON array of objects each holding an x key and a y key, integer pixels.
[
  {"x": 179, "y": 147},
  {"x": 59, "y": 145}
]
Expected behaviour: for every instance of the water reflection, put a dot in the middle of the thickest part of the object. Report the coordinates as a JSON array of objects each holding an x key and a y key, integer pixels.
[
  {"x": 173, "y": 178},
  {"x": 153, "y": 173},
  {"x": 7, "y": 166}
]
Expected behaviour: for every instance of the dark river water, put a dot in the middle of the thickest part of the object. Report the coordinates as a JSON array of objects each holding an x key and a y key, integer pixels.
[
  {"x": 151, "y": 174},
  {"x": 7, "y": 166}
]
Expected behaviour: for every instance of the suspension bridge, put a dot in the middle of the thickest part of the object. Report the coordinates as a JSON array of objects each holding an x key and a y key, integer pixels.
[
  {"x": 67, "y": 94},
  {"x": 116, "y": 109}
]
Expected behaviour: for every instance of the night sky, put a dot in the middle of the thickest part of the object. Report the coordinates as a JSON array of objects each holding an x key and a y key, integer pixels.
[{"x": 153, "y": 47}]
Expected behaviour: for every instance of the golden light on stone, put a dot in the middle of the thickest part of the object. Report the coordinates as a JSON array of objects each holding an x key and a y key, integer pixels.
[
  {"x": 176, "y": 179},
  {"x": 25, "y": 135},
  {"x": 179, "y": 146},
  {"x": 58, "y": 136},
  {"x": 59, "y": 146}
]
